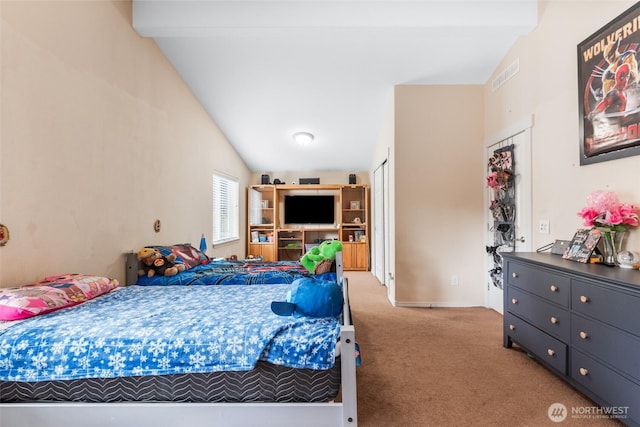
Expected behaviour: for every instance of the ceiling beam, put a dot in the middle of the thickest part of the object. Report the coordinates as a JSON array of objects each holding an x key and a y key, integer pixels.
[{"x": 174, "y": 18}]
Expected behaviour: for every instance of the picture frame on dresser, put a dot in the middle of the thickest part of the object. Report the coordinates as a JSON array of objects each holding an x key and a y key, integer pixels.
[{"x": 582, "y": 245}]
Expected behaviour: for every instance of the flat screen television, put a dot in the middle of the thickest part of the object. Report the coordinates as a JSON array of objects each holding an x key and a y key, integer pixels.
[{"x": 309, "y": 209}]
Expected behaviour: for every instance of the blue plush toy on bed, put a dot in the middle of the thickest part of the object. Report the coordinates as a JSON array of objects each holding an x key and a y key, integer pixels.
[{"x": 311, "y": 297}]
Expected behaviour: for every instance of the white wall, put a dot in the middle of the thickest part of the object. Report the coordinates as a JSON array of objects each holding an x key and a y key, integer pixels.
[{"x": 99, "y": 138}]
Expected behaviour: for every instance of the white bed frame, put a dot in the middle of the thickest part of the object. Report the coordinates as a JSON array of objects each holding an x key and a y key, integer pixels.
[{"x": 177, "y": 414}]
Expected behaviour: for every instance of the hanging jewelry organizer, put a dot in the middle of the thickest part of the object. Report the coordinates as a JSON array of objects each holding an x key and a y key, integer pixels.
[{"x": 501, "y": 181}]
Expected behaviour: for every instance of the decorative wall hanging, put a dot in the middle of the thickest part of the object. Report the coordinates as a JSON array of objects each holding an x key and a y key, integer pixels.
[
  {"x": 501, "y": 180},
  {"x": 4, "y": 235},
  {"x": 608, "y": 90}
]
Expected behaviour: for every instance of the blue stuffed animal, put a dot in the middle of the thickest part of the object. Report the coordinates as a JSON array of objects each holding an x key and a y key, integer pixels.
[{"x": 311, "y": 297}]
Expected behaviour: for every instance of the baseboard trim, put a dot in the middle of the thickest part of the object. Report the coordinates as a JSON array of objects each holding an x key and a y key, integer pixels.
[{"x": 436, "y": 305}]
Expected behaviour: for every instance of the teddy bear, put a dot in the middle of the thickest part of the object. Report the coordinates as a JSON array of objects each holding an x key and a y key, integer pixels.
[
  {"x": 154, "y": 262},
  {"x": 320, "y": 255}
]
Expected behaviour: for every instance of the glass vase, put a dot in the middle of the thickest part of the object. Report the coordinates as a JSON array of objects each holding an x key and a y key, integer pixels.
[{"x": 612, "y": 242}]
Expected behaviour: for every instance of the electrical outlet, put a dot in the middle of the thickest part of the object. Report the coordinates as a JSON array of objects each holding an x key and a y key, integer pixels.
[
  {"x": 543, "y": 226},
  {"x": 454, "y": 280}
]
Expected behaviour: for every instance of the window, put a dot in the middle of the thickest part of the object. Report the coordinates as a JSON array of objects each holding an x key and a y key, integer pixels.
[{"x": 225, "y": 209}]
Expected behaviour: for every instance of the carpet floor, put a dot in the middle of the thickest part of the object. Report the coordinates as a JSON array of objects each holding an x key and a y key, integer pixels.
[{"x": 448, "y": 367}]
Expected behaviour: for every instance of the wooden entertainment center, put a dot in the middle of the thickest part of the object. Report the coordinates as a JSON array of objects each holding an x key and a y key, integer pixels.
[{"x": 269, "y": 237}]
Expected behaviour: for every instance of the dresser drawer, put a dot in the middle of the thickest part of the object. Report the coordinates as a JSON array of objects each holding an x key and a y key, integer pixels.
[
  {"x": 548, "y": 285},
  {"x": 547, "y": 349},
  {"x": 608, "y": 344},
  {"x": 552, "y": 318},
  {"x": 616, "y": 390},
  {"x": 607, "y": 304}
]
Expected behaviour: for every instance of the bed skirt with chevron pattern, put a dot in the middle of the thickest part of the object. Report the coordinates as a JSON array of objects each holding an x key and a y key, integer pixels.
[{"x": 265, "y": 383}]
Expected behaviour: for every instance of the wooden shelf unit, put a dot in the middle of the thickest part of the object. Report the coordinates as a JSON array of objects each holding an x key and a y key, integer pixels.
[
  {"x": 290, "y": 244},
  {"x": 354, "y": 226},
  {"x": 261, "y": 219},
  {"x": 269, "y": 237}
]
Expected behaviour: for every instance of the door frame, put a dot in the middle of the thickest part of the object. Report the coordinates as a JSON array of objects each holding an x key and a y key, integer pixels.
[{"x": 380, "y": 249}]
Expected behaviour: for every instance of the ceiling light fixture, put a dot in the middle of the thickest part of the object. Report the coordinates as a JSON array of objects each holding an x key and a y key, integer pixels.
[{"x": 303, "y": 138}]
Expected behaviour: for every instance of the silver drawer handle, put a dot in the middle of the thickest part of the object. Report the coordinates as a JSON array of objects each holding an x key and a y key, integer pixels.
[
  {"x": 514, "y": 275},
  {"x": 553, "y": 288},
  {"x": 512, "y": 327},
  {"x": 551, "y": 352},
  {"x": 584, "y": 372},
  {"x": 584, "y": 298},
  {"x": 584, "y": 335},
  {"x": 554, "y": 320},
  {"x": 514, "y": 300}
]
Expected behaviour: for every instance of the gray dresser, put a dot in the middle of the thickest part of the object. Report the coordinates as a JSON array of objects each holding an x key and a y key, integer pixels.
[{"x": 582, "y": 321}]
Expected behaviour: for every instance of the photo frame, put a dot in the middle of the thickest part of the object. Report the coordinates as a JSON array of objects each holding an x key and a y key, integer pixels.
[
  {"x": 582, "y": 245},
  {"x": 609, "y": 90}
]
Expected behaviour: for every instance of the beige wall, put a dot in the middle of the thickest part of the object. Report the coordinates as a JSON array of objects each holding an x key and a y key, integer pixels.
[
  {"x": 100, "y": 137},
  {"x": 427, "y": 216},
  {"x": 84, "y": 93},
  {"x": 547, "y": 88},
  {"x": 439, "y": 195}
]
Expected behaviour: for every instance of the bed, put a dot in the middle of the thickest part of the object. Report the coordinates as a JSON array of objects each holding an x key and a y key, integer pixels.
[
  {"x": 201, "y": 270},
  {"x": 283, "y": 378}
]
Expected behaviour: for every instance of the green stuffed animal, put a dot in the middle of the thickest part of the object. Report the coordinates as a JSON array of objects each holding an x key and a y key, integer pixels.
[
  {"x": 318, "y": 254},
  {"x": 311, "y": 258}
]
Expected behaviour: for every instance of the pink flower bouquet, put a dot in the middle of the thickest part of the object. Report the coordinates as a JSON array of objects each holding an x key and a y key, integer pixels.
[{"x": 605, "y": 210}]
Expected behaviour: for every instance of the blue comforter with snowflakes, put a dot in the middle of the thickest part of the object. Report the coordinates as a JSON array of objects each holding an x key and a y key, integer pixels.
[
  {"x": 159, "y": 330},
  {"x": 235, "y": 273}
]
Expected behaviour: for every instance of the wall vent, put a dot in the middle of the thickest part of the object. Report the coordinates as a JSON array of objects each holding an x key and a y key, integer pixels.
[{"x": 506, "y": 75}]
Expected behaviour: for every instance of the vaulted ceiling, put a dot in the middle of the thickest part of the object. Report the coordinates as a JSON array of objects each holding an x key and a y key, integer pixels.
[{"x": 266, "y": 69}]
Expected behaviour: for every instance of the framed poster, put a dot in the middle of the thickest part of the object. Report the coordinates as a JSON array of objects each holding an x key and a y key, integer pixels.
[{"x": 609, "y": 91}]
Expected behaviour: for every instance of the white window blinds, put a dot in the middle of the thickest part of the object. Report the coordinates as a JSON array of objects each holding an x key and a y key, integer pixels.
[{"x": 226, "y": 211}]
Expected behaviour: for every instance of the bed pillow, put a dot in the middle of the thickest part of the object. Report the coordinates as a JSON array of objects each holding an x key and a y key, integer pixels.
[
  {"x": 185, "y": 254},
  {"x": 89, "y": 286},
  {"x": 51, "y": 293}
]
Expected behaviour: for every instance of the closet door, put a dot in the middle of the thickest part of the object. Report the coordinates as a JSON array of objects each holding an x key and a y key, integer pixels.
[
  {"x": 380, "y": 229},
  {"x": 519, "y": 237}
]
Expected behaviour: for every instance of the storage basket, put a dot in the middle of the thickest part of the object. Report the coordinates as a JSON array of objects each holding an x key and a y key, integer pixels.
[{"x": 323, "y": 266}]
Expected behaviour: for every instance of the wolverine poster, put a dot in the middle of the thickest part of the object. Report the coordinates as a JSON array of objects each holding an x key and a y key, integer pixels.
[{"x": 609, "y": 90}]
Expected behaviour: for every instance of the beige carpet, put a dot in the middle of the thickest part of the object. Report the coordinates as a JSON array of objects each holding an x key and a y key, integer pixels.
[{"x": 447, "y": 367}]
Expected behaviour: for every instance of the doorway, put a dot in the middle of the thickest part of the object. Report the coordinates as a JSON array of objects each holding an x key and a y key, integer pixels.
[{"x": 380, "y": 220}]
